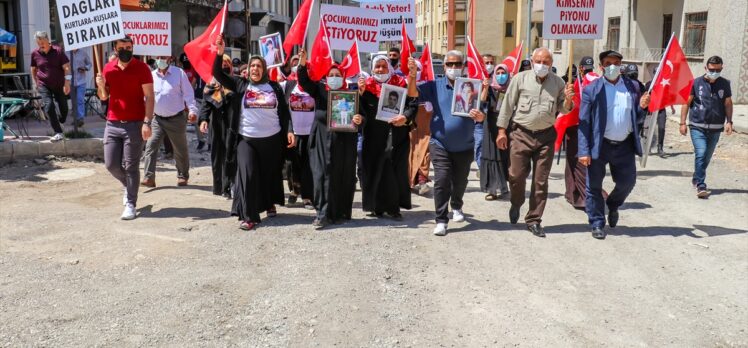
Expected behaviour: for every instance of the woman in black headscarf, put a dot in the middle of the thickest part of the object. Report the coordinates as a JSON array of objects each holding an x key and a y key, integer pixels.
[
  {"x": 332, "y": 155},
  {"x": 494, "y": 163},
  {"x": 260, "y": 127},
  {"x": 386, "y": 144},
  {"x": 214, "y": 115}
]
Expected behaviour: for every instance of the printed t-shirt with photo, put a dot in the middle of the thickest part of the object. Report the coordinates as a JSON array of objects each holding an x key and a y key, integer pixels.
[
  {"x": 259, "y": 112},
  {"x": 302, "y": 111}
]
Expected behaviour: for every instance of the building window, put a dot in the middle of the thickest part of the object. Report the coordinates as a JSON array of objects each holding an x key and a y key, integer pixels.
[
  {"x": 614, "y": 33},
  {"x": 558, "y": 45},
  {"x": 695, "y": 34},
  {"x": 509, "y": 29}
]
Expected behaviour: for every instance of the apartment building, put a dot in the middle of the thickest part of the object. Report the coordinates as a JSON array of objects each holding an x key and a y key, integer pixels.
[{"x": 640, "y": 30}]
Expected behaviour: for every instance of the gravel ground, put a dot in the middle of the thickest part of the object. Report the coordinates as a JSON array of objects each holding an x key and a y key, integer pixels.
[{"x": 674, "y": 273}]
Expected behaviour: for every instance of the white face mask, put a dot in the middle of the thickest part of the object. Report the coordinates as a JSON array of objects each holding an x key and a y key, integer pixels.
[
  {"x": 381, "y": 78},
  {"x": 295, "y": 68},
  {"x": 453, "y": 74},
  {"x": 162, "y": 64},
  {"x": 712, "y": 75},
  {"x": 334, "y": 82},
  {"x": 612, "y": 72},
  {"x": 541, "y": 70},
  {"x": 489, "y": 67}
]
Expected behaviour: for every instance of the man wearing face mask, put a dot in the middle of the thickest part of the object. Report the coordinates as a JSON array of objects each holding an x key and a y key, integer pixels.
[
  {"x": 533, "y": 99},
  {"x": 452, "y": 143},
  {"x": 709, "y": 112},
  {"x": 172, "y": 91},
  {"x": 128, "y": 84},
  {"x": 608, "y": 136},
  {"x": 394, "y": 55}
]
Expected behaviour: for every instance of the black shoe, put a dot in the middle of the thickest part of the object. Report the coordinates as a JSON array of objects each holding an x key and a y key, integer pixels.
[
  {"x": 513, "y": 215},
  {"x": 613, "y": 218},
  {"x": 536, "y": 230},
  {"x": 598, "y": 233},
  {"x": 292, "y": 199},
  {"x": 396, "y": 216},
  {"x": 200, "y": 145},
  {"x": 660, "y": 150}
]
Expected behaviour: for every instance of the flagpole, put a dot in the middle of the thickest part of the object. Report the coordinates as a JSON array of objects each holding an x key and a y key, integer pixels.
[
  {"x": 358, "y": 57},
  {"x": 308, "y": 20},
  {"x": 571, "y": 59}
]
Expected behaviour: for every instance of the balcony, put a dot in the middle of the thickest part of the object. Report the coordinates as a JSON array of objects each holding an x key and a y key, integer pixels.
[
  {"x": 460, "y": 5},
  {"x": 459, "y": 40}
]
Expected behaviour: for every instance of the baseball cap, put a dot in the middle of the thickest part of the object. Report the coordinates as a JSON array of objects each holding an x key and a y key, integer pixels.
[
  {"x": 526, "y": 64},
  {"x": 236, "y": 62},
  {"x": 610, "y": 53},
  {"x": 587, "y": 62},
  {"x": 631, "y": 68}
]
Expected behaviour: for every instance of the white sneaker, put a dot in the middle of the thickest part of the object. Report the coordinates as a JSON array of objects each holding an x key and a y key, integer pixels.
[
  {"x": 129, "y": 212},
  {"x": 441, "y": 229},
  {"x": 457, "y": 215},
  {"x": 58, "y": 137},
  {"x": 124, "y": 197},
  {"x": 424, "y": 189}
]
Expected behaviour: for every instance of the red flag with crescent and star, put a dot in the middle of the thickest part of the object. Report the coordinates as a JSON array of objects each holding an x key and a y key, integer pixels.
[
  {"x": 297, "y": 33},
  {"x": 571, "y": 119},
  {"x": 351, "y": 64},
  {"x": 320, "y": 59},
  {"x": 427, "y": 66},
  {"x": 512, "y": 60},
  {"x": 407, "y": 49},
  {"x": 672, "y": 84},
  {"x": 202, "y": 50},
  {"x": 476, "y": 68}
]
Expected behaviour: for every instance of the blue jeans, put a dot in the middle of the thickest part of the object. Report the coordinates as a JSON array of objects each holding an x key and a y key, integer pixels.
[
  {"x": 704, "y": 142},
  {"x": 81, "y": 96},
  {"x": 478, "y": 147}
]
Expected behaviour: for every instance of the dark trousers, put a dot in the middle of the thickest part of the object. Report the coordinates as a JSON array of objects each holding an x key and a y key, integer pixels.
[
  {"x": 622, "y": 160},
  {"x": 49, "y": 97},
  {"x": 451, "y": 171},
  {"x": 176, "y": 127},
  {"x": 530, "y": 150},
  {"x": 123, "y": 145},
  {"x": 661, "y": 121}
]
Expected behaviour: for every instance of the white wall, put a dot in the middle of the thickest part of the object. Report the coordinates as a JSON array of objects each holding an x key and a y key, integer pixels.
[{"x": 34, "y": 17}]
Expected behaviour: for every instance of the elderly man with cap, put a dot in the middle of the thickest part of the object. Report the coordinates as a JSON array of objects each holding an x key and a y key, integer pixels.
[
  {"x": 608, "y": 136},
  {"x": 533, "y": 99}
]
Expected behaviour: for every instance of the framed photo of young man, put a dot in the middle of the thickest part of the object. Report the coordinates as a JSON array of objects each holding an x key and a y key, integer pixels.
[
  {"x": 391, "y": 102},
  {"x": 341, "y": 107},
  {"x": 466, "y": 96},
  {"x": 271, "y": 50}
]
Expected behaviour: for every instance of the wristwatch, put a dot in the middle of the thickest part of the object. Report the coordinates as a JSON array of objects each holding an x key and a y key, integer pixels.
[{"x": 147, "y": 123}]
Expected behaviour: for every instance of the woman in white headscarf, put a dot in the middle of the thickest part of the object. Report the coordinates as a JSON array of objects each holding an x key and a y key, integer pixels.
[{"x": 385, "y": 144}]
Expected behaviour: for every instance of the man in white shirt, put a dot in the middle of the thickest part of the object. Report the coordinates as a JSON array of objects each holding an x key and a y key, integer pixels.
[{"x": 173, "y": 94}]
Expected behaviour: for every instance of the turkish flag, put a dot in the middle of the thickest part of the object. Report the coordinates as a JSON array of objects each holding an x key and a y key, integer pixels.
[
  {"x": 571, "y": 119},
  {"x": 297, "y": 34},
  {"x": 672, "y": 84},
  {"x": 276, "y": 74},
  {"x": 320, "y": 60},
  {"x": 351, "y": 64},
  {"x": 512, "y": 60},
  {"x": 427, "y": 71},
  {"x": 202, "y": 50},
  {"x": 406, "y": 51},
  {"x": 476, "y": 68}
]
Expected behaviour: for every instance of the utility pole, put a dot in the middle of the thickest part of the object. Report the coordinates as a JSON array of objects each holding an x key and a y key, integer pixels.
[
  {"x": 529, "y": 27},
  {"x": 248, "y": 19}
]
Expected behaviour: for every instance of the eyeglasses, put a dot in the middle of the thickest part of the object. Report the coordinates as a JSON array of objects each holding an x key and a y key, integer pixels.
[
  {"x": 714, "y": 70},
  {"x": 453, "y": 64}
]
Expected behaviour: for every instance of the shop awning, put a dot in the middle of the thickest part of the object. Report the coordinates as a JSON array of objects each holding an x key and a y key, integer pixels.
[{"x": 6, "y": 38}]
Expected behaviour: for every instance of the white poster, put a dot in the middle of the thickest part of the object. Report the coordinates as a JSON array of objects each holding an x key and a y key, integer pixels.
[
  {"x": 87, "y": 23},
  {"x": 391, "y": 15},
  {"x": 345, "y": 24},
  {"x": 150, "y": 32},
  {"x": 573, "y": 19}
]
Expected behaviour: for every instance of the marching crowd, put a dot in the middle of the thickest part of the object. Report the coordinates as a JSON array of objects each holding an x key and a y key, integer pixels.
[{"x": 258, "y": 126}]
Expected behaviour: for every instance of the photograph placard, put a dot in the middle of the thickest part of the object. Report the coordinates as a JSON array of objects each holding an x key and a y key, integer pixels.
[
  {"x": 391, "y": 102},
  {"x": 466, "y": 96},
  {"x": 271, "y": 50},
  {"x": 341, "y": 107}
]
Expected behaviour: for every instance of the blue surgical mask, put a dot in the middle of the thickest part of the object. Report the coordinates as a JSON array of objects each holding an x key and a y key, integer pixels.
[
  {"x": 611, "y": 72},
  {"x": 334, "y": 82},
  {"x": 712, "y": 75},
  {"x": 502, "y": 78}
]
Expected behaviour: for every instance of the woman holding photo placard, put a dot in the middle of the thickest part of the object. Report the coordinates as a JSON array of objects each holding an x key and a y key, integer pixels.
[
  {"x": 259, "y": 129},
  {"x": 332, "y": 154},
  {"x": 386, "y": 143}
]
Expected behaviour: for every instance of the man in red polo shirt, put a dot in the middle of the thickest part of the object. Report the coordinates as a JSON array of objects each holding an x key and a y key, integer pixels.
[{"x": 128, "y": 84}]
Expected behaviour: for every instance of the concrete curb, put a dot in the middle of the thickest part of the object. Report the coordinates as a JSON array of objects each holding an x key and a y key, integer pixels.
[{"x": 15, "y": 150}]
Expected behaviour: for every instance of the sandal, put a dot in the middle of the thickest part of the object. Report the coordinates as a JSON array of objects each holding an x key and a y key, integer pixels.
[
  {"x": 491, "y": 197},
  {"x": 248, "y": 225}
]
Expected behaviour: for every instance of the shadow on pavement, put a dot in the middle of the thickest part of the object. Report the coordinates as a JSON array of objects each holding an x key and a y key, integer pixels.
[
  {"x": 171, "y": 212},
  {"x": 714, "y": 231},
  {"x": 635, "y": 205},
  {"x": 653, "y": 173},
  {"x": 722, "y": 191},
  {"x": 648, "y": 231}
]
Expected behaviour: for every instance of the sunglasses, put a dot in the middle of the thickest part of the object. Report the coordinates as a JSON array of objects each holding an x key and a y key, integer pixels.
[
  {"x": 453, "y": 64},
  {"x": 715, "y": 70}
]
